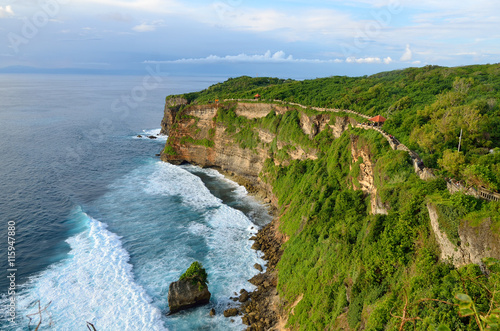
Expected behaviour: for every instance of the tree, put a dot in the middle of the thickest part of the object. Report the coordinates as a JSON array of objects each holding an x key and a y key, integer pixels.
[{"x": 452, "y": 161}]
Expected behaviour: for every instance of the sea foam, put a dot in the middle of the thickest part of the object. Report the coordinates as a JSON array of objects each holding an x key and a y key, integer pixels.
[
  {"x": 154, "y": 132},
  {"x": 94, "y": 284}
]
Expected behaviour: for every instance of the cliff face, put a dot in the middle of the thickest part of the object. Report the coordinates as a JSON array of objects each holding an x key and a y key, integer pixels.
[
  {"x": 197, "y": 137},
  {"x": 365, "y": 177},
  {"x": 475, "y": 242}
]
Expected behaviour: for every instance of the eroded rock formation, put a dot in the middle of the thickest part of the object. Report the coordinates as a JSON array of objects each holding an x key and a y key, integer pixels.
[{"x": 185, "y": 293}]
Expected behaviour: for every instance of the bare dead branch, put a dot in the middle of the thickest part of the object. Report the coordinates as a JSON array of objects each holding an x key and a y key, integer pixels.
[{"x": 90, "y": 325}]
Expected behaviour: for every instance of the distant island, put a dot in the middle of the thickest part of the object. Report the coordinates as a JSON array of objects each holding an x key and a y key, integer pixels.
[{"x": 385, "y": 190}]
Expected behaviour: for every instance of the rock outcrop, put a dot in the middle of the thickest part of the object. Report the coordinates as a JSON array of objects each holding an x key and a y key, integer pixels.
[
  {"x": 365, "y": 177},
  {"x": 476, "y": 242},
  {"x": 185, "y": 294},
  {"x": 264, "y": 308},
  {"x": 190, "y": 290}
]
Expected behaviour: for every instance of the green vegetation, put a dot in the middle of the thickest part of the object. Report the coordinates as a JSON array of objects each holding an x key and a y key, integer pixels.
[
  {"x": 169, "y": 149},
  {"x": 234, "y": 87},
  {"x": 378, "y": 272},
  {"x": 197, "y": 274},
  {"x": 202, "y": 142}
]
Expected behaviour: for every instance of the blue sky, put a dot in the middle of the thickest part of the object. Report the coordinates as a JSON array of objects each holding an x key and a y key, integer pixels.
[{"x": 297, "y": 39}]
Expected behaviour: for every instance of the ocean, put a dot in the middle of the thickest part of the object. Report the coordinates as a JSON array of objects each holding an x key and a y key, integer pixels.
[{"x": 101, "y": 225}]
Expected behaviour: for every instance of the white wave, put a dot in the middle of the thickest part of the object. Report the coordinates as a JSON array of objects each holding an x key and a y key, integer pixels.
[
  {"x": 94, "y": 284},
  {"x": 171, "y": 180},
  {"x": 259, "y": 211},
  {"x": 154, "y": 132},
  {"x": 229, "y": 259},
  {"x": 198, "y": 229}
]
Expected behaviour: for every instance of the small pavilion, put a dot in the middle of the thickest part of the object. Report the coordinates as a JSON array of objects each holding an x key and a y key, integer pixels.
[
  {"x": 257, "y": 96},
  {"x": 378, "y": 120}
]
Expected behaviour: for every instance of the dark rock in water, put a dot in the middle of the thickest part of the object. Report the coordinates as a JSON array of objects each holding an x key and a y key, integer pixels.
[
  {"x": 244, "y": 296},
  {"x": 256, "y": 246},
  {"x": 212, "y": 312},
  {"x": 257, "y": 279},
  {"x": 139, "y": 136},
  {"x": 230, "y": 312},
  {"x": 258, "y": 267},
  {"x": 152, "y": 137},
  {"x": 158, "y": 154},
  {"x": 185, "y": 293}
]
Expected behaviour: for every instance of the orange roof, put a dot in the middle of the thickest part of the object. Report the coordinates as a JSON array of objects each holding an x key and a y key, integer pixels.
[
  {"x": 257, "y": 95},
  {"x": 378, "y": 119}
]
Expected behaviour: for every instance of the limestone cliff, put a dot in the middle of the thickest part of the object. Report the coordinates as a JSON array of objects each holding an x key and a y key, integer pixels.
[
  {"x": 197, "y": 137},
  {"x": 476, "y": 242},
  {"x": 365, "y": 178}
]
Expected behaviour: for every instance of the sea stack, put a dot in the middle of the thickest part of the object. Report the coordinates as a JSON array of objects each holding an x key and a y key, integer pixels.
[{"x": 190, "y": 290}]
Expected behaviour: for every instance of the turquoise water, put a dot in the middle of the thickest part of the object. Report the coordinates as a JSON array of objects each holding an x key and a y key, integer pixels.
[{"x": 103, "y": 226}]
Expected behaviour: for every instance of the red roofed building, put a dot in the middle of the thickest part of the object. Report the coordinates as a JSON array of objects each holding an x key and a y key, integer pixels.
[
  {"x": 257, "y": 96},
  {"x": 379, "y": 120}
]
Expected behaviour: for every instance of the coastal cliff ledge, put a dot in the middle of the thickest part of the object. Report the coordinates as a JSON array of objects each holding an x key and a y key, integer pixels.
[{"x": 205, "y": 136}]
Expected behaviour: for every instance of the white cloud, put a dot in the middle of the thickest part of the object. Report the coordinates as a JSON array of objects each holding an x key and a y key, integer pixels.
[
  {"x": 116, "y": 17},
  {"x": 279, "y": 56},
  {"x": 145, "y": 27},
  {"x": 269, "y": 57},
  {"x": 407, "y": 55},
  {"x": 352, "y": 59},
  {"x": 6, "y": 12}
]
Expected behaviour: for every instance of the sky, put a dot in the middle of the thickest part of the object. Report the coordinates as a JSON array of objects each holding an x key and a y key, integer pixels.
[{"x": 287, "y": 39}]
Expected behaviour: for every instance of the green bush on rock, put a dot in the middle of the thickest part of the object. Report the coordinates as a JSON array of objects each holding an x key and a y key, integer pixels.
[{"x": 197, "y": 274}]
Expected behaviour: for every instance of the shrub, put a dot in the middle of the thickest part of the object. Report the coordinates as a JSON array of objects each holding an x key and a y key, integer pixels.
[{"x": 197, "y": 274}]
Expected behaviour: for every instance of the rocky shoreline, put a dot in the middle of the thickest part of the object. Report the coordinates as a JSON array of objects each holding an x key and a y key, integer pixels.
[{"x": 261, "y": 309}]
